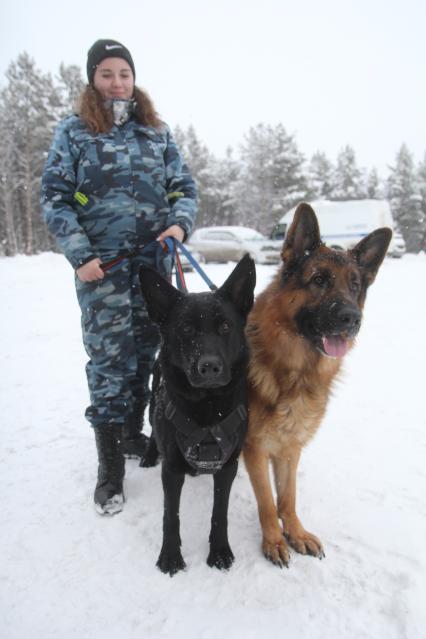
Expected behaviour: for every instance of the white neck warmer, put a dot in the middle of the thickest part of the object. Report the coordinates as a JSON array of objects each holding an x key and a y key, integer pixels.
[{"x": 121, "y": 109}]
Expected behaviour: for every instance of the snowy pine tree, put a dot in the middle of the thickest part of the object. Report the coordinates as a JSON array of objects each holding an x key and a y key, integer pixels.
[
  {"x": 347, "y": 176},
  {"x": 373, "y": 188},
  {"x": 224, "y": 189},
  {"x": 71, "y": 85},
  {"x": 272, "y": 178},
  {"x": 200, "y": 162},
  {"x": 421, "y": 181},
  {"x": 320, "y": 178},
  {"x": 255, "y": 187},
  {"x": 290, "y": 182},
  {"x": 9, "y": 222},
  {"x": 29, "y": 107},
  {"x": 405, "y": 199}
]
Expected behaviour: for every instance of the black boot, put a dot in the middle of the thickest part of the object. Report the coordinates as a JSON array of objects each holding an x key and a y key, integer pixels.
[
  {"x": 134, "y": 441},
  {"x": 109, "y": 496}
]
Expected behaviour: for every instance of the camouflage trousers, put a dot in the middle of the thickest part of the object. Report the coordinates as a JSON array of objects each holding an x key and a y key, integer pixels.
[{"x": 119, "y": 339}]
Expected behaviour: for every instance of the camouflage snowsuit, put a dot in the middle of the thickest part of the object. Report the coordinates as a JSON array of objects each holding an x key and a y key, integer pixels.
[{"x": 104, "y": 196}]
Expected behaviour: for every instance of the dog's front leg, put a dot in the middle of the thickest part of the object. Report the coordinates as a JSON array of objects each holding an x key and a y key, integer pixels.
[
  {"x": 220, "y": 554},
  {"x": 170, "y": 560},
  {"x": 274, "y": 545},
  {"x": 285, "y": 470}
]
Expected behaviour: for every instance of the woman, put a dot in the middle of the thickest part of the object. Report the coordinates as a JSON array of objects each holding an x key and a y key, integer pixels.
[{"x": 114, "y": 183}]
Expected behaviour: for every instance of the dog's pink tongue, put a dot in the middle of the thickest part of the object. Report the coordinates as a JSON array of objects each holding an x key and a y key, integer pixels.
[{"x": 335, "y": 346}]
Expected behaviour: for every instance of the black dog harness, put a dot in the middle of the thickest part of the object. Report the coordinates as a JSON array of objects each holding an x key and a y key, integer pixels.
[{"x": 207, "y": 448}]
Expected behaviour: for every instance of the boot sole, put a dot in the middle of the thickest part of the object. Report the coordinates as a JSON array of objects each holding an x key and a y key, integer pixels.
[{"x": 112, "y": 506}]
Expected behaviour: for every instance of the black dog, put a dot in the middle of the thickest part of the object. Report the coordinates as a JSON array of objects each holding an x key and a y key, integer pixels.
[{"x": 199, "y": 402}]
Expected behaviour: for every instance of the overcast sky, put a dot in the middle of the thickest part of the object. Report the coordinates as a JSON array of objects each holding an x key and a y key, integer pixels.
[{"x": 333, "y": 72}]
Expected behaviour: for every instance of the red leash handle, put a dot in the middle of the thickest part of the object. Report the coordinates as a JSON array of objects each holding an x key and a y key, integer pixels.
[
  {"x": 169, "y": 245},
  {"x": 105, "y": 266}
]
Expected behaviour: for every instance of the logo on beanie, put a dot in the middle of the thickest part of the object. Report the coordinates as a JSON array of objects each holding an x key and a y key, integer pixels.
[{"x": 108, "y": 47}]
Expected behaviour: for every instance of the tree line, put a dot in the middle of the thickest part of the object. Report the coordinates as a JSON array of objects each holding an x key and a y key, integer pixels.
[{"x": 254, "y": 187}]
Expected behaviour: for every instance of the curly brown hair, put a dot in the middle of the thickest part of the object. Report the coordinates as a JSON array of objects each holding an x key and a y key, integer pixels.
[{"x": 98, "y": 119}]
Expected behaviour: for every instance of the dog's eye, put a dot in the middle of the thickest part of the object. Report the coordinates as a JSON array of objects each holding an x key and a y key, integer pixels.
[
  {"x": 187, "y": 329},
  {"x": 321, "y": 281},
  {"x": 224, "y": 328},
  {"x": 355, "y": 285}
]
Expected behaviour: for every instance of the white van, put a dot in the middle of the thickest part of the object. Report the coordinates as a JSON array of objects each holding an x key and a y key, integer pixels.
[{"x": 344, "y": 224}]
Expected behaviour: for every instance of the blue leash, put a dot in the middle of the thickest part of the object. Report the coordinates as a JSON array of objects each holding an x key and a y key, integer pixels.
[{"x": 174, "y": 244}]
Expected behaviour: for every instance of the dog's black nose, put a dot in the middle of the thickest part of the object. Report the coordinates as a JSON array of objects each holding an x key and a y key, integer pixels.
[
  {"x": 347, "y": 318},
  {"x": 210, "y": 367}
]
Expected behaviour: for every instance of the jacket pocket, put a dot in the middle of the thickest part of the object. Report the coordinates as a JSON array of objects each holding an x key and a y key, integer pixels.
[{"x": 97, "y": 165}]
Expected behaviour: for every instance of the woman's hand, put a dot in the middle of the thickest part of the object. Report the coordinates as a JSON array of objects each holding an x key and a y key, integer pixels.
[
  {"x": 91, "y": 271},
  {"x": 175, "y": 231}
]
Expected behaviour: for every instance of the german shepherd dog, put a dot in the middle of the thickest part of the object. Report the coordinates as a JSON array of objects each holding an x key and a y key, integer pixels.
[
  {"x": 198, "y": 409},
  {"x": 300, "y": 327}
]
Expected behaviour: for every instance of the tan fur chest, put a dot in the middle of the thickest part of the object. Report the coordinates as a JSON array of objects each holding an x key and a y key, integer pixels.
[{"x": 285, "y": 412}]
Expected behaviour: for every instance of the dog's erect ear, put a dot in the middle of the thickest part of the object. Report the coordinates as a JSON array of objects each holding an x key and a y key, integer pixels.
[
  {"x": 370, "y": 252},
  {"x": 159, "y": 295},
  {"x": 239, "y": 287},
  {"x": 303, "y": 235}
]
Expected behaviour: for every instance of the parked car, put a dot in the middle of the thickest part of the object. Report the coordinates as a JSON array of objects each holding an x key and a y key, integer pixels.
[{"x": 230, "y": 243}]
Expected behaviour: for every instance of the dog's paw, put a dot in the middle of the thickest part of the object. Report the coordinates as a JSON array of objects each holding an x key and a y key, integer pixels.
[
  {"x": 170, "y": 562},
  {"x": 277, "y": 553},
  {"x": 305, "y": 543},
  {"x": 221, "y": 558}
]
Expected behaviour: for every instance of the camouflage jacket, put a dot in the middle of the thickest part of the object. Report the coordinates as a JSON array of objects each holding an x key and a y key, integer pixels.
[{"x": 104, "y": 195}]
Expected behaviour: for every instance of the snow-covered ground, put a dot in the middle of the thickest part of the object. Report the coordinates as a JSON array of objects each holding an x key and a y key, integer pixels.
[{"x": 67, "y": 573}]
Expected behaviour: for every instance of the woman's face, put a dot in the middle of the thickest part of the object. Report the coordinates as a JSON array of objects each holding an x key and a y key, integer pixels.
[{"x": 114, "y": 79}]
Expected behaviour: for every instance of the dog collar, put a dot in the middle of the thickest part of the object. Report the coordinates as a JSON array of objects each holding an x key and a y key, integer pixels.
[{"x": 206, "y": 448}]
